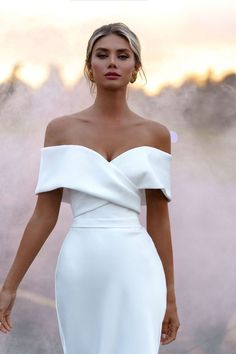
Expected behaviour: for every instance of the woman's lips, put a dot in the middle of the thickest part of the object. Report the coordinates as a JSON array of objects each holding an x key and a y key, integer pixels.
[
  {"x": 112, "y": 76},
  {"x": 112, "y": 73}
]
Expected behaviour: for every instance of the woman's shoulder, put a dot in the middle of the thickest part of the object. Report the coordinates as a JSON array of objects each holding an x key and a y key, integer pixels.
[
  {"x": 152, "y": 124},
  {"x": 159, "y": 134},
  {"x": 53, "y": 130},
  {"x": 58, "y": 127},
  {"x": 61, "y": 122}
]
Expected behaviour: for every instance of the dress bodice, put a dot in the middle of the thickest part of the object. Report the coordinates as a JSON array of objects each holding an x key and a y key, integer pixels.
[{"x": 89, "y": 180}]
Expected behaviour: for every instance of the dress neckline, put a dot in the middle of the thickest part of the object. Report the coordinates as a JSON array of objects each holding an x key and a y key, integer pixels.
[{"x": 102, "y": 157}]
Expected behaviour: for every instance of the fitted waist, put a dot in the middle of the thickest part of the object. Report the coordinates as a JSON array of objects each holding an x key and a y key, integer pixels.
[{"x": 110, "y": 222}]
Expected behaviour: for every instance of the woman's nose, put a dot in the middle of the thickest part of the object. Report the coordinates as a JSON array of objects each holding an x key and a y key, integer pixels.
[{"x": 112, "y": 60}]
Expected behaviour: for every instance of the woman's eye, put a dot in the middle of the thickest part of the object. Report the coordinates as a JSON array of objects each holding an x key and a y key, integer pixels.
[{"x": 120, "y": 56}]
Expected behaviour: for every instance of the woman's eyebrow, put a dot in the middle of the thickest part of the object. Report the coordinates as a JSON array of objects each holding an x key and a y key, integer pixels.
[{"x": 118, "y": 50}]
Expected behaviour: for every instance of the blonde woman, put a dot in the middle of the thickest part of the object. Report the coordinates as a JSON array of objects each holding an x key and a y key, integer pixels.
[{"x": 114, "y": 278}]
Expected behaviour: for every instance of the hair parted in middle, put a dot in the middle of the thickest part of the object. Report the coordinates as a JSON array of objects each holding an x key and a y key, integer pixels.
[{"x": 121, "y": 30}]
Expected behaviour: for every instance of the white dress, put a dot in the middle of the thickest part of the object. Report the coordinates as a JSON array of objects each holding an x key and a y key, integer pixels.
[{"x": 110, "y": 284}]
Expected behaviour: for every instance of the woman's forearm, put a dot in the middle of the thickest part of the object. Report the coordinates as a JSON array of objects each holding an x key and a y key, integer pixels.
[
  {"x": 161, "y": 236},
  {"x": 35, "y": 234}
]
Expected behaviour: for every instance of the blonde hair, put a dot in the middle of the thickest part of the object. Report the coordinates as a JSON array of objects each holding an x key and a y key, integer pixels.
[{"x": 121, "y": 30}]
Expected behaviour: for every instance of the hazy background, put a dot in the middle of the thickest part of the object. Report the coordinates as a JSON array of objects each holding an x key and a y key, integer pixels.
[{"x": 189, "y": 57}]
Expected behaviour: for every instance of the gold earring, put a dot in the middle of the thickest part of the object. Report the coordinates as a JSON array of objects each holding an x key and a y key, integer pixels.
[
  {"x": 91, "y": 78},
  {"x": 134, "y": 77}
]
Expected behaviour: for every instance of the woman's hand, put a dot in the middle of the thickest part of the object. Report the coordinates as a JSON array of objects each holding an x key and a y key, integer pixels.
[
  {"x": 170, "y": 324},
  {"x": 7, "y": 299}
]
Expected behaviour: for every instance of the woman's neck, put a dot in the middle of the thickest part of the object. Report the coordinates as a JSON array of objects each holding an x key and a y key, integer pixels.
[{"x": 111, "y": 105}]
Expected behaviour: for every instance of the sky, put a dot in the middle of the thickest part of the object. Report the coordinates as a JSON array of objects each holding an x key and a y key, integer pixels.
[{"x": 178, "y": 38}]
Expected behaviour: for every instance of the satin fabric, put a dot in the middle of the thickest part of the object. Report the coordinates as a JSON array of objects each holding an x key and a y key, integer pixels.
[{"x": 110, "y": 287}]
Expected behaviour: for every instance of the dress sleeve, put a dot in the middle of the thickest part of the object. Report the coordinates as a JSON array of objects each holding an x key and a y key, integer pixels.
[
  {"x": 157, "y": 174},
  {"x": 51, "y": 175}
]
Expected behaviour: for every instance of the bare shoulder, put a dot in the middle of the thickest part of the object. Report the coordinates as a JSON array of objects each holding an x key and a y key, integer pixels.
[
  {"x": 55, "y": 130},
  {"x": 159, "y": 135}
]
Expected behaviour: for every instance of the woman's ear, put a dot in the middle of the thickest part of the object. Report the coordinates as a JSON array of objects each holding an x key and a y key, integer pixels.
[{"x": 137, "y": 66}]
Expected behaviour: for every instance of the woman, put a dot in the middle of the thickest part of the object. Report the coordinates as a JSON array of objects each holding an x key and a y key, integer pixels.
[{"x": 114, "y": 279}]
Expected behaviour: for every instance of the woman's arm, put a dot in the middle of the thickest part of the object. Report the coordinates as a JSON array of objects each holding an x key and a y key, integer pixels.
[
  {"x": 40, "y": 224},
  {"x": 35, "y": 234},
  {"x": 158, "y": 227},
  {"x": 37, "y": 230}
]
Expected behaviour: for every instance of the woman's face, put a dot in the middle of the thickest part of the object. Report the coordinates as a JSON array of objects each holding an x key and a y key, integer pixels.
[{"x": 112, "y": 53}]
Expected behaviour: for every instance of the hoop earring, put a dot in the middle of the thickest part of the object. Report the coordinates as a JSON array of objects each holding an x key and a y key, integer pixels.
[{"x": 134, "y": 77}]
